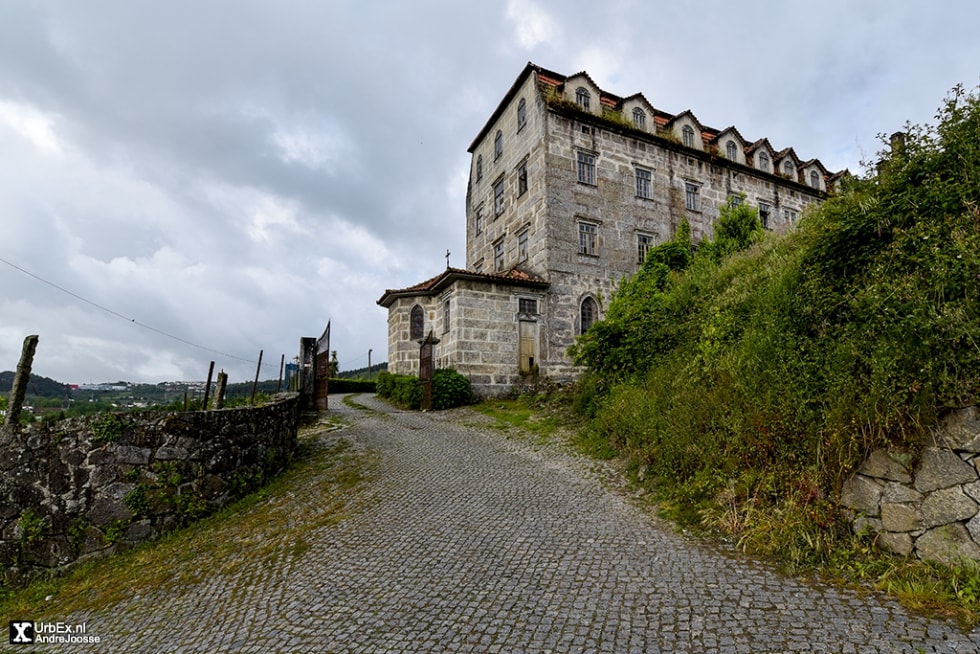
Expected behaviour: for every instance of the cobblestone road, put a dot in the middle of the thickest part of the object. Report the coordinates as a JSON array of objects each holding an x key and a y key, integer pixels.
[{"x": 473, "y": 541}]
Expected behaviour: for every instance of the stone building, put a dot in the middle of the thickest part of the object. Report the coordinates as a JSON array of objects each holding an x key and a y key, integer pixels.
[{"x": 569, "y": 187}]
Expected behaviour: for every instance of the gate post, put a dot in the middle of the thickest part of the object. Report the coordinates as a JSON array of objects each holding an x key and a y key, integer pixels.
[{"x": 425, "y": 369}]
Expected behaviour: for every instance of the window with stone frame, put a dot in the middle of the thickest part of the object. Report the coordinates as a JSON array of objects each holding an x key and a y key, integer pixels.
[
  {"x": 643, "y": 244},
  {"x": 791, "y": 215},
  {"x": 498, "y": 255},
  {"x": 639, "y": 118},
  {"x": 479, "y": 220},
  {"x": 692, "y": 196},
  {"x": 445, "y": 316},
  {"x": 417, "y": 323},
  {"x": 731, "y": 151},
  {"x": 498, "y": 197},
  {"x": 478, "y": 266},
  {"x": 479, "y": 167},
  {"x": 521, "y": 114},
  {"x": 498, "y": 145},
  {"x": 764, "y": 161},
  {"x": 583, "y": 98},
  {"x": 522, "y": 178},
  {"x": 527, "y": 306},
  {"x": 643, "y": 177},
  {"x": 588, "y": 314},
  {"x": 587, "y": 238},
  {"x": 765, "y": 211},
  {"x": 586, "y": 168},
  {"x": 688, "y": 136},
  {"x": 522, "y": 245}
]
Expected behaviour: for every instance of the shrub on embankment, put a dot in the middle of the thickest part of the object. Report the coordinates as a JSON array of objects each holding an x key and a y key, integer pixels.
[{"x": 747, "y": 385}]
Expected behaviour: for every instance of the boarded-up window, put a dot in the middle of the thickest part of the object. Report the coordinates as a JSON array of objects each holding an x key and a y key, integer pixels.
[{"x": 528, "y": 345}]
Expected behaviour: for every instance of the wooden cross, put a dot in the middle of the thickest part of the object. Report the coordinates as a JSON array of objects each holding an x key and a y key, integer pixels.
[{"x": 447, "y": 258}]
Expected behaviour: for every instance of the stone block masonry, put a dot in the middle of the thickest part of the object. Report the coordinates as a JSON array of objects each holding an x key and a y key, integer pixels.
[
  {"x": 928, "y": 505},
  {"x": 82, "y": 487}
]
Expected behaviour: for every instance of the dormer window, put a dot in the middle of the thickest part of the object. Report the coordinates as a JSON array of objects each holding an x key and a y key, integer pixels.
[
  {"x": 583, "y": 97},
  {"x": 688, "y": 136},
  {"x": 521, "y": 114},
  {"x": 498, "y": 144},
  {"x": 639, "y": 118},
  {"x": 788, "y": 168},
  {"x": 731, "y": 151},
  {"x": 764, "y": 161},
  {"x": 815, "y": 179}
]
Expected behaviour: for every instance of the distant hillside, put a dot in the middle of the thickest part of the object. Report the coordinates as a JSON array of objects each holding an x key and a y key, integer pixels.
[
  {"x": 39, "y": 386},
  {"x": 364, "y": 373}
]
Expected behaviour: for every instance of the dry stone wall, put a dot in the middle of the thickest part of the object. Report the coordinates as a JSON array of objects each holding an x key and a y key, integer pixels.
[
  {"x": 81, "y": 487},
  {"x": 929, "y": 504}
]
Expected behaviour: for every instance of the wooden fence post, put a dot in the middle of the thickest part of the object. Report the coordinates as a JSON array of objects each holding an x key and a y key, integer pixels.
[
  {"x": 21, "y": 379},
  {"x": 219, "y": 392},
  {"x": 207, "y": 387}
]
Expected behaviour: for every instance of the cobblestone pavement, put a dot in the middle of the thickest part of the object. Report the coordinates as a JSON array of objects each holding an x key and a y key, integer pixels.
[{"x": 473, "y": 540}]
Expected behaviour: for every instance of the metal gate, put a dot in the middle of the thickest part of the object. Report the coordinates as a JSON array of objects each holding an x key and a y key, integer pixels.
[{"x": 321, "y": 375}]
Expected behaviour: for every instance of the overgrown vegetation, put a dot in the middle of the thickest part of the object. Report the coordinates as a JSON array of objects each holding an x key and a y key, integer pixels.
[
  {"x": 449, "y": 389},
  {"x": 745, "y": 380}
]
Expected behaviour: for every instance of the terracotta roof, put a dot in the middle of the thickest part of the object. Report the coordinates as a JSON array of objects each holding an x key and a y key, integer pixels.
[{"x": 513, "y": 277}]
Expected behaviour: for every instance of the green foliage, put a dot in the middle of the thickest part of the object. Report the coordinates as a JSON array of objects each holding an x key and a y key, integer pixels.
[
  {"x": 137, "y": 501},
  {"x": 404, "y": 390},
  {"x": 450, "y": 389},
  {"x": 115, "y": 531},
  {"x": 107, "y": 428},
  {"x": 190, "y": 506},
  {"x": 76, "y": 533},
  {"x": 749, "y": 379},
  {"x": 31, "y": 526}
]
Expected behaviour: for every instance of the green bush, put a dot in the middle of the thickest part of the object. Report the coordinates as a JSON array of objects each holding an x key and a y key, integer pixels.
[
  {"x": 342, "y": 385},
  {"x": 767, "y": 375},
  {"x": 450, "y": 389}
]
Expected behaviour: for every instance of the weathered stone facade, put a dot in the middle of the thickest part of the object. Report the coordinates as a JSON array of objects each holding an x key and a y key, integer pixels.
[
  {"x": 85, "y": 486},
  {"x": 571, "y": 185},
  {"x": 931, "y": 508}
]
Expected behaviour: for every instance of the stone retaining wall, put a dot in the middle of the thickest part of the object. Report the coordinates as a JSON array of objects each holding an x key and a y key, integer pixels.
[
  {"x": 86, "y": 486},
  {"x": 928, "y": 504}
]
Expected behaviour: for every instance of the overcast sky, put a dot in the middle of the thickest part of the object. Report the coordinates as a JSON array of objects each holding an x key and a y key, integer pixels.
[{"x": 208, "y": 179}]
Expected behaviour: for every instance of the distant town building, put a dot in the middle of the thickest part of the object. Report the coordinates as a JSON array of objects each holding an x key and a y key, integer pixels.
[{"x": 569, "y": 187}]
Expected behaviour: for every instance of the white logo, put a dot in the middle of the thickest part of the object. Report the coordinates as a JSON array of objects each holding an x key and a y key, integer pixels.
[{"x": 21, "y": 632}]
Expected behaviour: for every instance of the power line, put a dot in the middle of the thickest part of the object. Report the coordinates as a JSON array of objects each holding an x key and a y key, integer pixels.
[{"x": 126, "y": 318}]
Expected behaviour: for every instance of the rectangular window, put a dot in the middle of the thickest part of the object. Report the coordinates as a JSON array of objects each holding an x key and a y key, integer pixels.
[
  {"x": 643, "y": 244},
  {"x": 692, "y": 196},
  {"x": 586, "y": 168},
  {"x": 642, "y": 183},
  {"x": 522, "y": 178},
  {"x": 498, "y": 256},
  {"x": 478, "y": 266},
  {"x": 764, "y": 211},
  {"x": 445, "y": 316},
  {"x": 791, "y": 215},
  {"x": 479, "y": 220},
  {"x": 527, "y": 306},
  {"x": 734, "y": 200},
  {"x": 522, "y": 246},
  {"x": 498, "y": 197},
  {"x": 587, "y": 238}
]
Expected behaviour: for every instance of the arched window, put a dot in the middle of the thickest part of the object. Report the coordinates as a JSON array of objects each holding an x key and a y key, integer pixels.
[
  {"x": 588, "y": 314},
  {"x": 521, "y": 114},
  {"x": 479, "y": 167},
  {"x": 639, "y": 118},
  {"x": 814, "y": 179},
  {"x": 583, "y": 97},
  {"x": 688, "y": 133},
  {"x": 731, "y": 151},
  {"x": 763, "y": 161},
  {"x": 498, "y": 144},
  {"x": 417, "y": 328},
  {"x": 788, "y": 168}
]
